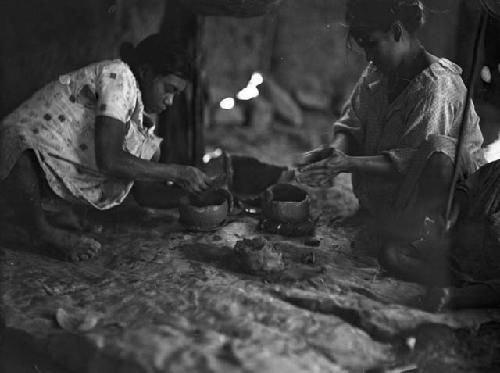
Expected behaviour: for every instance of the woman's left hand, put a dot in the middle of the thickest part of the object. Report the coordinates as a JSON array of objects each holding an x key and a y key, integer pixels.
[{"x": 325, "y": 169}]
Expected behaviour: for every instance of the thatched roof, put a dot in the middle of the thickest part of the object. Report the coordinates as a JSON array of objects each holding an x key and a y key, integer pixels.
[{"x": 235, "y": 8}]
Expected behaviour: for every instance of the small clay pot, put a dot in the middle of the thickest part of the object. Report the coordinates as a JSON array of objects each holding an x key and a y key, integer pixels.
[
  {"x": 286, "y": 203},
  {"x": 206, "y": 210}
]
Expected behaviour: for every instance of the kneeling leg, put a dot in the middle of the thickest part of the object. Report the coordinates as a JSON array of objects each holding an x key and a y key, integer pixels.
[
  {"x": 23, "y": 189},
  {"x": 404, "y": 262},
  {"x": 434, "y": 184},
  {"x": 483, "y": 295}
]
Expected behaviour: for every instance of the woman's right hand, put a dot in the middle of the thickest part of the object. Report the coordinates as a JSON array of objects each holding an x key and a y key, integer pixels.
[
  {"x": 191, "y": 179},
  {"x": 316, "y": 155}
]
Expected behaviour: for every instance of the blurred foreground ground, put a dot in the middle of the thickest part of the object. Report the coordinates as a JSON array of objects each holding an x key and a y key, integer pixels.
[{"x": 161, "y": 299}]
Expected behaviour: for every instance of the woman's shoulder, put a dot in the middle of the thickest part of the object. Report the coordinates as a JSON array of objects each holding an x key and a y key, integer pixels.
[
  {"x": 117, "y": 73},
  {"x": 442, "y": 78},
  {"x": 116, "y": 66},
  {"x": 448, "y": 66},
  {"x": 99, "y": 71},
  {"x": 443, "y": 72}
]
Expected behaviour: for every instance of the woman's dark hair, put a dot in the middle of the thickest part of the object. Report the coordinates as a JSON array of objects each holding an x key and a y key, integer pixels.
[
  {"x": 163, "y": 56},
  {"x": 365, "y": 16}
]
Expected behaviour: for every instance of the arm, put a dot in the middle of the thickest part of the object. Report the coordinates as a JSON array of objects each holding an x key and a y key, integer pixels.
[
  {"x": 377, "y": 165},
  {"x": 338, "y": 162},
  {"x": 341, "y": 142},
  {"x": 111, "y": 159}
]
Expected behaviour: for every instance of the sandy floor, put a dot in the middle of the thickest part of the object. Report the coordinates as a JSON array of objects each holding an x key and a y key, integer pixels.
[{"x": 162, "y": 299}]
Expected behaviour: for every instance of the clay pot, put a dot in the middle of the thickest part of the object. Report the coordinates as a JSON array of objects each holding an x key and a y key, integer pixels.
[
  {"x": 206, "y": 210},
  {"x": 286, "y": 203}
]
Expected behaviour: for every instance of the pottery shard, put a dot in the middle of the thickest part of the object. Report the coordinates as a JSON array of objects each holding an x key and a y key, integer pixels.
[
  {"x": 259, "y": 256},
  {"x": 284, "y": 105}
]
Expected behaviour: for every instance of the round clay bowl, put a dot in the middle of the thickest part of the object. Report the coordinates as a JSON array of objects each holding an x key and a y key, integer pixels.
[
  {"x": 205, "y": 211},
  {"x": 286, "y": 203}
]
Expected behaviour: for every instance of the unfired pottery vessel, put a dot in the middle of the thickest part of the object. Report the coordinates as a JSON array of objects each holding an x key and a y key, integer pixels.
[
  {"x": 207, "y": 210},
  {"x": 286, "y": 203}
]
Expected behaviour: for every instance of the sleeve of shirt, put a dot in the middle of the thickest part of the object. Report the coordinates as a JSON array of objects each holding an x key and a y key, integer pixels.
[
  {"x": 433, "y": 112},
  {"x": 350, "y": 122},
  {"x": 117, "y": 92}
]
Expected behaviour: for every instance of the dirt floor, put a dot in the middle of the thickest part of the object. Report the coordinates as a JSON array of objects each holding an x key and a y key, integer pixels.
[{"x": 163, "y": 299}]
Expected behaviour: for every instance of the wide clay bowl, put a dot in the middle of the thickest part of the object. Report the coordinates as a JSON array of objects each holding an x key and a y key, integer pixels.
[
  {"x": 207, "y": 210},
  {"x": 286, "y": 203}
]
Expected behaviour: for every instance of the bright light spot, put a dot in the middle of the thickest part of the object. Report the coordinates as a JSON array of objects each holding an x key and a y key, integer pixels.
[
  {"x": 211, "y": 155},
  {"x": 492, "y": 152},
  {"x": 486, "y": 74},
  {"x": 411, "y": 342},
  {"x": 251, "y": 91},
  {"x": 227, "y": 103},
  {"x": 256, "y": 79},
  {"x": 248, "y": 93}
]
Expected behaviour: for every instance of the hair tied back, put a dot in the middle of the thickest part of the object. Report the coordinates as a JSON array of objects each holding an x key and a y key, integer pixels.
[{"x": 410, "y": 12}]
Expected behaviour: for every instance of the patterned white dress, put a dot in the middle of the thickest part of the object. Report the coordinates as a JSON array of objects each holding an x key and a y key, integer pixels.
[
  {"x": 429, "y": 111},
  {"x": 58, "y": 123}
]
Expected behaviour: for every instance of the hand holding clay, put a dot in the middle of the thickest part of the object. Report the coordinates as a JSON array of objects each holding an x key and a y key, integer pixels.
[
  {"x": 326, "y": 169},
  {"x": 316, "y": 155},
  {"x": 191, "y": 179}
]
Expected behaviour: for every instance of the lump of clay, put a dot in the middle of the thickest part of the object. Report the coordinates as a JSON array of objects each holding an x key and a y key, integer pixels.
[{"x": 259, "y": 255}]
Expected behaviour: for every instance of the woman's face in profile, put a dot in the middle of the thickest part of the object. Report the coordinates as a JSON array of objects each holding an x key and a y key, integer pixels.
[
  {"x": 158, "y": 91},
  {"x": 380, "y": 48}
]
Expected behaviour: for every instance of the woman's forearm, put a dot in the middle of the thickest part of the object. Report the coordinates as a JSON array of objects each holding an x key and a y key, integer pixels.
[
  {"x": 341, "y": 142},
  {"x": 112, "y": 160},
  {"x": 128, "y": 166},
  {"x": 377, "y": 165}
]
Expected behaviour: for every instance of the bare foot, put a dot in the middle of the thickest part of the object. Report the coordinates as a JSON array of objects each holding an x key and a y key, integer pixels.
[{"x": 71, "y": 246}]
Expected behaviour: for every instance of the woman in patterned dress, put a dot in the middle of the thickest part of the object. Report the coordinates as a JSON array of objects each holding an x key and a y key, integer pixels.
[
  {"x": 398, "y": 131},
  {"x": 87, "y": 137}
]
